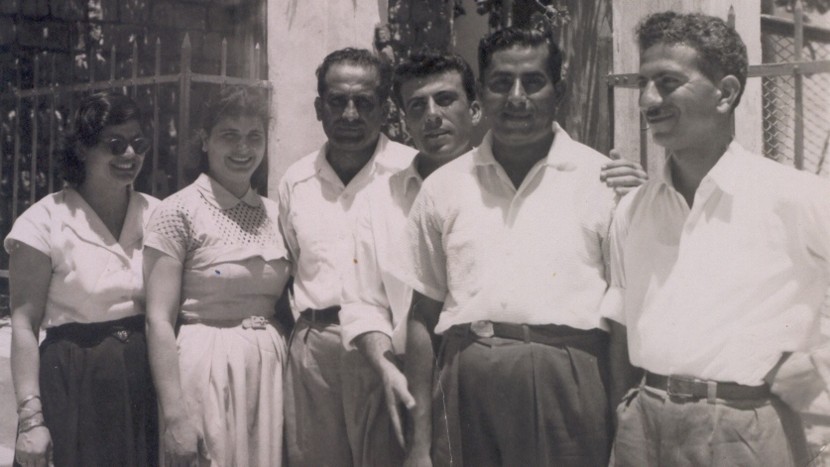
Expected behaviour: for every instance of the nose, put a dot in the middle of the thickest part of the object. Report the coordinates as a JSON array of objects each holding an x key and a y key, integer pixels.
[
  {"x": 350, "y": 112},
  {"x": 649, "y": 96},
  {"x": 433, "y": 116},
  {"x": 517, "y": 95}
]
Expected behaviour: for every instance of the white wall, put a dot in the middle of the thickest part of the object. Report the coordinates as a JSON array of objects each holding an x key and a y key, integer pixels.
[{"x": 300, "y": 34}]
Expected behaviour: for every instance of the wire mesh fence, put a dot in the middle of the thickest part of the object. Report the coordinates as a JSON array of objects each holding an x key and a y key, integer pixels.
[{"x": 778, "y": 95}]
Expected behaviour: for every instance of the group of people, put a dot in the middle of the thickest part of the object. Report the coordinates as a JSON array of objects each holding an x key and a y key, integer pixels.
[{"x": 452, "y": 305}]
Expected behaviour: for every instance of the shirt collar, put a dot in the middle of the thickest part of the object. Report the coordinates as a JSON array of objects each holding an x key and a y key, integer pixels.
[
  {"x": 558, "y": 154},
  {"x": 220, "y": 197},
  {"x": 324, "y": 169},
  {"x": 727, "y": 172},
  {"x": 408, "y": 176}
]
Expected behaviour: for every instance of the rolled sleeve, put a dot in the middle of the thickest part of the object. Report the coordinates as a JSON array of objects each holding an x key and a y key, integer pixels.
[
  {"x": 613, "y": 302},
  {"x": 424, "y": 266},
  {"x": 365, "y": 305}
]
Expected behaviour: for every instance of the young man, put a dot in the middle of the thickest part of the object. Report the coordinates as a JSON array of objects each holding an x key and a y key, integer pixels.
[
  {"x": 316, "y": 196},
  {"x": 719, "y": 270},
  {"x": 506, "y": 261},
  {"x": 437, "y": 94}
]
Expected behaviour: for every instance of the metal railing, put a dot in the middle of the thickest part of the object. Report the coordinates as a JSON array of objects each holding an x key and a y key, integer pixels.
[{"x": 33, "y": 119}]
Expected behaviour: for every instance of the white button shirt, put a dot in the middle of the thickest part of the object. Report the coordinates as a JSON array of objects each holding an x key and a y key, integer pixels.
[
  {"x": 316, "y": 218},
  {"x": 95, "y": 277},
  {"x": 532, "y": 255},
  {"x": 374, "y": 299},
  {"x": 721, "y": 290}
]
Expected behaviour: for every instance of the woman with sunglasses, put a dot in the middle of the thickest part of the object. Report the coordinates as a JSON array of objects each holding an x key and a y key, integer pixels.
[
  {"x": 85, "y": 398},
  {"x": 215, "y": 264}
]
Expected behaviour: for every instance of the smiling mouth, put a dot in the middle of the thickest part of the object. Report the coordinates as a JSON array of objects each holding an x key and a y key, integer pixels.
[
  {"x": 658, "y": 116},
  {"x": 124, "y": 165},
  {"x": 240, "y": 160}
]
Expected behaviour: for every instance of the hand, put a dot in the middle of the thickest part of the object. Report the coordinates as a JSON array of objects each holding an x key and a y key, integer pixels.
[
  {"x": 622, "y": 175},
  {"x": 396, "y": 391},
  {"x": 417, "y": 459},
  {"x": 34, "y": 448},
  {"x": 181, "y": 443}
]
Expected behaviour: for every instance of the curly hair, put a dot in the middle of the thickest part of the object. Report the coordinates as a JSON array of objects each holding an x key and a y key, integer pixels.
[
  {"x": 432, "y": 63},
  {"x": 720, "y": 49},
  {"x": 524, "y": 37},
  {"x": 95, "y": 113},
  {"x": 360, "y": 57}
]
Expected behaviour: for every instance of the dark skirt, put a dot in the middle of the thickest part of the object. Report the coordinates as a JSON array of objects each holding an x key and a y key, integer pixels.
[{"x": 98, "y": 397}]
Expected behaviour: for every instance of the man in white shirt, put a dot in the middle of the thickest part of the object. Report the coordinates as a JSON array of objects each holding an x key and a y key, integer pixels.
[
  {"x": 719, "y": 271},
  {"x": 506, "y": 262},
  {"x": 437, "y": 94},
  {"x": 316, "y": 197}
]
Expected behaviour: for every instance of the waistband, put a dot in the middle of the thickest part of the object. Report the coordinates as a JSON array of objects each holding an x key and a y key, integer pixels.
[
  {"x": 250, "y": 322},
  {"x": 93, "y": 333},
  {"x": 694, "y": 388},
  {"x": 330, "y": 315},
  {"x": 548, "y": 334}
]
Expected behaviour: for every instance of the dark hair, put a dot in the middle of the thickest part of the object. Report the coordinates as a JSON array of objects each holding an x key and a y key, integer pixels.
[
  {"x": 433, "y": 63},
  {"x": 95, "y": 113},
  {"x": 525, "y": 37},
  {"x": 234, "y": 101},
  {"x": 719, "y": 47},
  {"x": 360, "y": 57}
]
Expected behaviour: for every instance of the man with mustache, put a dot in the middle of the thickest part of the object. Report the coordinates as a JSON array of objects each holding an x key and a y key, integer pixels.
[
  {"x": 719, "y": 271},
  {"x": 316, "y": 197},
  {"x": 506, "y": 259}
]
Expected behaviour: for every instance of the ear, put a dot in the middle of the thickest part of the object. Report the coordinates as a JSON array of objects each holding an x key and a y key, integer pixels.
[
  {"x": 318, "y": 108},
  {"x": 729, "y": 88},
  {"x": 559, "y": 90},
  {"x": 203, "y": 137},
  {"x": 475, "y": 112}
]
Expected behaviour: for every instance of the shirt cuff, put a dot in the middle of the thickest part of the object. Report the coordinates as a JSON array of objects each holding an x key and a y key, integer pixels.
[
  {"x": 613, "y": 305},
  {"x": 360, "y": 318}
]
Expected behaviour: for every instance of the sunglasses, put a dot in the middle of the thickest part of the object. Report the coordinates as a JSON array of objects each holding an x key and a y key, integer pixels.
[{"x": 118, "y": 145}]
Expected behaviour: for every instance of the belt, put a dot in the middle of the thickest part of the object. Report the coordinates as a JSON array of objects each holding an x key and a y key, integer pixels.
[
  {"x": 330, "y": 315},
  {"x": 94, "y": 333},
  {"x": 689, "y": 387},
  {"x": 549, "y": 334},
  {"x": 251, "y": 322}
]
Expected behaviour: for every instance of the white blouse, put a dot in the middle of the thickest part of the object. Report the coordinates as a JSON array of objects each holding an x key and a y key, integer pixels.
[{"x": 95, "y": 277}]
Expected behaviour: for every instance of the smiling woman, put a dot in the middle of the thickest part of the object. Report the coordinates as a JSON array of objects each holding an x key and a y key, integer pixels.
[
  {"x": 215, "y": 264},
  {"x": 85, "y": 397}
]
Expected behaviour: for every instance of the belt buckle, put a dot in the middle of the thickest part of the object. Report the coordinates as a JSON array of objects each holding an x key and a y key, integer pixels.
[
  {"x": 122, "y": 335},
  {"x": 673, "y": 388},
  {"x": 482, "y": 328},
  {"x": 256, "y": 322}
]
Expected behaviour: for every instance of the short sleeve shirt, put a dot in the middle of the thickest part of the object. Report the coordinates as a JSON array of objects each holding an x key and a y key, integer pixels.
[
  {"x": 95, "y": 277},
  {"x": 231, "y": 250},
  {"x": 532, "y": 255},
  {"x": 317, "y": 215},
  {"x": 721, "y": 290}
]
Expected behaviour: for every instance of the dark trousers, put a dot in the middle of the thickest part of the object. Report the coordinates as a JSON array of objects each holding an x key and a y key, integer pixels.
[{"x": 505, "y": 402}]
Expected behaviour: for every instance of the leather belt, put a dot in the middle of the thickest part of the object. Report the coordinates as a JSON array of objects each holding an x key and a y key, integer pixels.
[
  {"x": 251, "y": 322},
  {"x": 689, "y": 387},
  {"x": 548, "y": 334},
  {"x": 330, "y": 315}
]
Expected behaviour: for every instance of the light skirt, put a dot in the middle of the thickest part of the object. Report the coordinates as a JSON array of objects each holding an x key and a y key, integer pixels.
[{"x": 232, "y": 380}]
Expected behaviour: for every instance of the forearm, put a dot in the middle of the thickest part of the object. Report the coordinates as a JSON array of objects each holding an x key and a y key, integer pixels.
[
  {"x": 419, "y": 369},
  {"x": 164, "y": 365},
  {"x": 25, "y": 358},
  {"x": 377, "y": 348},
  {"x": 624, "y": 376}
]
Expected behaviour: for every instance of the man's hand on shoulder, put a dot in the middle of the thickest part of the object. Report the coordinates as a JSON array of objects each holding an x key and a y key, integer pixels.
[{"x": 622, "y": 175}]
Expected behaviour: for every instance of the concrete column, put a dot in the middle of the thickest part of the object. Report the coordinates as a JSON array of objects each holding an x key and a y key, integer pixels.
[
  {"x": 748, "y": 115},
  {"x": 300, "y": 33}
]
